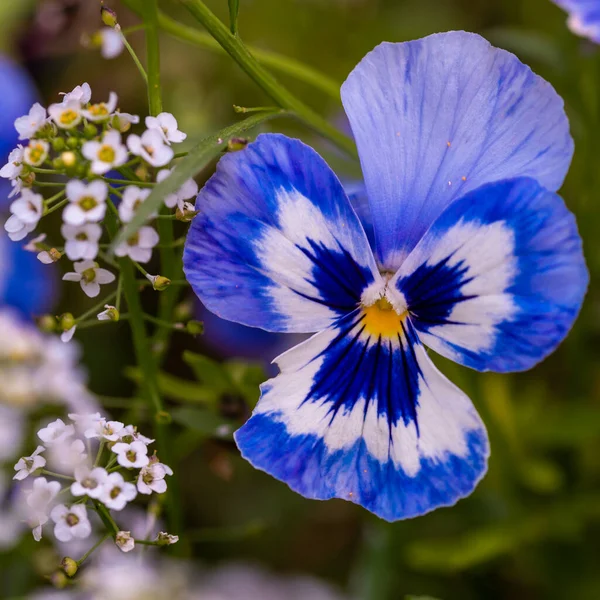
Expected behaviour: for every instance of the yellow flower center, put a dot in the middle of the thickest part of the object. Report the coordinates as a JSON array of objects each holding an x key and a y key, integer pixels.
[
  {"x": 87, "y": 203},
  {"x": 89, "y": 275},
  {"x": 68, "y": 117},
  {"x": 381, "y": 319},
  {"x": 106, "y": 154},
  {"x": 134, "y": 240},
  {"x": 99, "y": 110},
  {"x": 36, "y": 153}
]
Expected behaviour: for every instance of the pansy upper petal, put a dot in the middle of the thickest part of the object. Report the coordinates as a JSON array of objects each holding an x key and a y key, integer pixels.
[
  {"x": 497, "y": 281},
  {"x": 276, "y": 244},
  {"x": 584, "y": 17},
  {"x": 369, "y": 419},
  {"x": 438, "y": 117}
]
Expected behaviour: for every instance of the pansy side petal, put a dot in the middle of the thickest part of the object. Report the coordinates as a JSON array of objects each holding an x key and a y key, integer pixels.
[
  {"x": 276, "y": 244},
  {"x": 498, "y": 280},
  {"x": 438, "y": 117},
  {"x": 584, "y": 17},
  {"x": 367, "y": 419}
]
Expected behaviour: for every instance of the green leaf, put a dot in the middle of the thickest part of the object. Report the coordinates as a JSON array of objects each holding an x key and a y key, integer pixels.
[
  {"x": 234, "y": 7},
  {"x": 203, "y": 421},
  {"x": 208, "y": 149},
  {"x": 211, "y": 373}
]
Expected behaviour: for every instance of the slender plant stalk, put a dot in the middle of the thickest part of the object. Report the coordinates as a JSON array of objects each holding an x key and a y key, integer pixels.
[
  {"x": 277, "y": 62},
  {"x": 236, "y": 49}
]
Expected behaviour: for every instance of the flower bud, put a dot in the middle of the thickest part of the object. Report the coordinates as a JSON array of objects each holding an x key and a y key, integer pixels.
[
  {"x": 187, "y": 214},
  {"x": 28, "y": 179},
  {"x": 68, "y": 159},
  {"x": 59, "y": 580},
  {"x": 47, "y": 323},
  {"x": 72, "y": 142},
  {"x": 166, "y": 539},
  {"x": 159, "y": 283},
  {"x": 108, "y": 16},
  {"x": 66, "y": 321},
  {"x": 109, "y": 314},
  {"x": 183, "y": 311},
  {"x": 195, "y": 327},
  {"x": 237, "y": 143},
  {"x": 58, "y": 144},
  {"x": 57, "y": 163},
  {"x": 90, "y": 131},
  {"x": 69, "y": 566}
]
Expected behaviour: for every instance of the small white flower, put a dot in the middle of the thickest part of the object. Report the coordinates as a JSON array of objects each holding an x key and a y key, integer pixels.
[
  {"x": 47, "y": 257},
  {"x": 166, "y": 124},
  {"x": 28, "y": 464},
  {"x": 67, "y": 335},
  {"x": 151, "y": 147},
  {"x": 81, "y": 94},
  {"x": 89, "y": 482},
  {"x": 124, "y": 541},
  {"x": 55, "y": 432},
  {"x": 85, "y": 421},
  {"x": 106, "y": 154},
  {"x": 110, "y": 313},
  {"x": 123, "y": 121},
  {"x": 68, "y": 454},
  {"x": 139, "y": 246},
  {"x": 38, "y": 500},
  {"x": 188, "y": 190},
  {"x": 28, "y": 125},
  {"x": 133, "y": 455},
  {"x": 70, "y": 522},
  {"x": 166, "y": 539},
  {"x": 16, "y": 229},
  {"x": 111, "y": 42},
  {"x": 28, "y": 208},
  {"x": 81, "y": 241},
  {"x": 36, "y": 152},
  {"x": 87, "y": 202},
  {"x": 117, "y": 492},
  {"x": 131, "y": 434},
  {"x": 108, "y": 430},
  {"x": 66, "y": 115},
  {"x": 35, "y": 244},
  {"x": 13, "y": 168},
  {"x": 152, "y": 478},
  {"x": 90, "y": 276},
  {"x": 101, "y": 111},
  {"x": 133, "y": 196}
]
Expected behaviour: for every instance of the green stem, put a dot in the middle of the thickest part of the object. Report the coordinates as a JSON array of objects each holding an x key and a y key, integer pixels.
[
  {"x": 93, "y": 548},
  {"x": 129, "y": 182},
  {"x": 164, "y": 324},
  {"x": 57, "y": 475},
  {"x": 276, "y": 62},
  {"x": 236, "y": 49},
  {"x": 135, "y": 58},
  {"x": 96, "y": 307},
  {"x": 150, "y": 16},
  {"x": 106, "y": 518}
]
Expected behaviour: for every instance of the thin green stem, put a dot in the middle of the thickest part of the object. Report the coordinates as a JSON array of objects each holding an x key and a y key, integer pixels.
[
  {"x": 93, "y": 549},
  {"x": 57, "y": 206},
  {"x": 57, "y": 475},
  {"x": 236, "y": 49},
  {"x": 161, "y": 323},
  {"x": 106, "y": 518},
  {"x": 99, "y": 454},
  {"x": 98, "y": 323},
  {"x": 135, "y": 58},
  {"x": 96, "y": 307},
  {"x": 129, "y": 182},
  {"x": 119, "y": 293},
  {"x": 276, "y": 62}
]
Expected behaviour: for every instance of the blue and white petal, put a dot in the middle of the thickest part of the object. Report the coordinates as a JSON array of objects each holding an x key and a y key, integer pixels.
[
  {"x": 368, "y": 419},
  {"x": 498, "y": 280},
  {"x": 277, "y": 244},
  {"x": 584, "y": 17},
  {"x": 438, "y": 117}
]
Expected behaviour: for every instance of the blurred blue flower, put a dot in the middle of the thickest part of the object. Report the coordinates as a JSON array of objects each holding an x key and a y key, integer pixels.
[
  {"x": 472, "y": 253},
  {"x": 584, "y": 17},
  {"x": 18, "y": 94}
]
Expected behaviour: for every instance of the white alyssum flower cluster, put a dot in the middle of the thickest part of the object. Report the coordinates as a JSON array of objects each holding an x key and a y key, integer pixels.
[
  {"x": 36, "y": 369},
  {"x": 95, "y": 464},
  {"x": 103, "y": 173}
]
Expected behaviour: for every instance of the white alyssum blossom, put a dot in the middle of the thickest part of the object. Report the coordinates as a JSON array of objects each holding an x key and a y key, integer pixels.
[
  {"x": 17, "y": 229},
  {"x": 103, "y": 110},
  {"x": 152, "y": 478},
  {"x": 123, "y": 121},
  {"x": 117, "y": 492},
  {"x": 81, "y": 241},
  {"x": 167, "y": 125},
  {"x": 124, "y": 541},
  {"x": 26, "y": 212},
  {"x": 188, "y": 190},
  {"x": 90, "y": 276},
  {"x": 130, "y": 434},
  {"x": 14, "y": 167},
  {"x": 38, "y": 500},
  {"x": 131, "y": 456},
  {"x": 26, "y": 465},
  {"x": 107, "y": 430},
  {"x": 139, "y": 246},
  {"x": 151, "y": 146},
  {"x": 111, "y": 42},
  {"x": 56, "y": 432},
  {"x": 67, "y": 334},
  {"x": 28, "y": 125},
  {"x": 68, "y": 454},
  {"x": 105, "y": 154},
  {"x": 66, "y": 115},
  {"x": 87, "y": 202},
  {"x": 36, "y": 152},
  {"x": 47, "y": 257},
  {"x": 133, "y": 196},
  {"x": 71, "y": 522},
  {"x": 110, "y": 313},
  {"x": 81, "y": 94},
  {"x": 89, "y": 482}
]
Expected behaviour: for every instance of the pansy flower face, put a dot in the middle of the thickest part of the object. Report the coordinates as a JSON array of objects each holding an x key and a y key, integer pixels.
[{"x": 471, "y": 253}]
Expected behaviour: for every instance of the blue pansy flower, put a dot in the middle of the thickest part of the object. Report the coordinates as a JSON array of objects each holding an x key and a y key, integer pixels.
[
  {"x": 584, "y": 17},
  {"x": 462, "y": 148}
]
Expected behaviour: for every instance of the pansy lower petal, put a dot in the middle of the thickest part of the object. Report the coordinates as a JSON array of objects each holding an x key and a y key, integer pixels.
[
  {"x": 438, "y": 117},
  {"x": 366, "y": 419},
  {"x": 276, "y": 243},
  {"x": 498, "y": 280}
]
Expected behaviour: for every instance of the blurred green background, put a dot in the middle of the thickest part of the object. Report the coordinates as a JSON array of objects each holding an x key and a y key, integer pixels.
[{"x": 531, "y": 529}]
